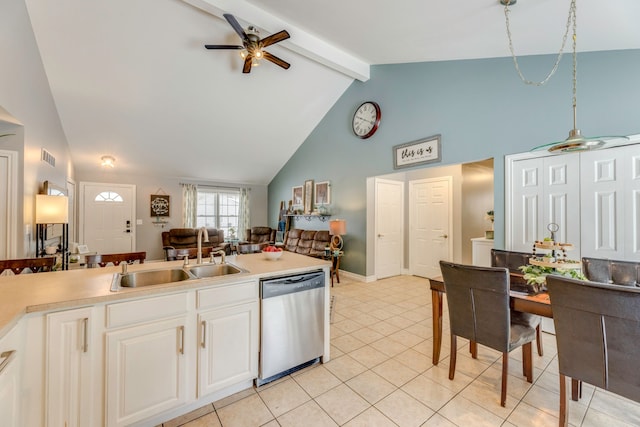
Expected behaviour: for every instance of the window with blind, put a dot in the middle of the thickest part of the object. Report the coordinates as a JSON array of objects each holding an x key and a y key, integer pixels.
[{"x": 219, "y": 208}]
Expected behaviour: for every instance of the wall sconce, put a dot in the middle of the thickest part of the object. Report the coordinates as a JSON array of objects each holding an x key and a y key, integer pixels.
[
  {"x": 108, "y": 161},
  {"x": 52, "y": 210},
  {"x": 337, "y": 228}
]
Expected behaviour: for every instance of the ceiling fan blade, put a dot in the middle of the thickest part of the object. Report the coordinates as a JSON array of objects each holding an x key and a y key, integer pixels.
[
  {"x": 276, "y": 60},
  {"x": 275, "y": 38},
  {"x": 236, "y": 26},
  {"x": 223, "y": 46},
  {"x": 247, "y": 64}
]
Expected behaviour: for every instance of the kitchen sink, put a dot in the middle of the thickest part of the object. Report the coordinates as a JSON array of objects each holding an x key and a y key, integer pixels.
[
  {"x": 213, "y": 270},
  {"x": 149, "y": 278}
]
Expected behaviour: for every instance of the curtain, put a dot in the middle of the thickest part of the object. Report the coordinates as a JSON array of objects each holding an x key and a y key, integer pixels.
[
  {"x": 244, "y": 214},
  {"x": 189, "y": 205}
]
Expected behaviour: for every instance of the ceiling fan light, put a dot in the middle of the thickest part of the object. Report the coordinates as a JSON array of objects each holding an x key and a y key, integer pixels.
[
  {"x": 255, "y": 62},
  {"x": 243, "y": 53}
]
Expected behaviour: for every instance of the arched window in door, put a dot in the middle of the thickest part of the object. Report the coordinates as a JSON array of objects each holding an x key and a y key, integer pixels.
[{"x": 108, "y": 196}]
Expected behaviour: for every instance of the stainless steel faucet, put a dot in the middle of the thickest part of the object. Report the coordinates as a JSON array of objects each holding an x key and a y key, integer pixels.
[
  {"x": 201, "y": 231},
  {"x": 223, "y": 254}
]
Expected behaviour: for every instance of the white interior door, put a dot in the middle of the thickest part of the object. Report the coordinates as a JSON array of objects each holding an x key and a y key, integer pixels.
[
  {"x": 8, "y": 203},
  {"x": 389, "y": 227},
  {"x": 107, "y": 217},
  {"x": 430, "y": 225}
]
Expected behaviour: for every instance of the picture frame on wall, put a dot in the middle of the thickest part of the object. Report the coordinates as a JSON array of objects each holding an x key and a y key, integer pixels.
[
  {"x": 308, "y": 196},
  {"x": 296, "y": 195},
  {"x": 160, "y": 205},
  {"x": 322, "y": 193}
]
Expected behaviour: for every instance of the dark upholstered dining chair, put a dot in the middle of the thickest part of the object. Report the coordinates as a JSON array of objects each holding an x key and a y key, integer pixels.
[
  {"x": 101, "y": 260},
  {"x": 626, "y": 273},
  {"x": 597, "y": 334},
  {"x": 513, "y": 261},
  {"x": 34, "y": 265},
  {"x": 478, "y": 301}
]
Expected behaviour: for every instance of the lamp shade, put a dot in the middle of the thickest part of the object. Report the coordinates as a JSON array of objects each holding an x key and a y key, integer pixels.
[
  {"x": 337, "y": 227},
  {"x": 52, "y": 209}
]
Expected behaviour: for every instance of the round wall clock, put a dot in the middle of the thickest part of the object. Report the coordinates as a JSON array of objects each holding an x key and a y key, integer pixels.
[{"x": 366, "y": 119}]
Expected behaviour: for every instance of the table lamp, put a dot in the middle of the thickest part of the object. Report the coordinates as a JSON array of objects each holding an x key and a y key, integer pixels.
[
  {"x": 337, "y": 228},
  {"x": 52, "y": 210}
]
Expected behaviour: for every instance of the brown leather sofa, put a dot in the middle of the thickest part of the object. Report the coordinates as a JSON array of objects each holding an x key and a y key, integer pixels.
[
  {"x": 307, "y": 242},
  {"x": 186, "y": 238}
]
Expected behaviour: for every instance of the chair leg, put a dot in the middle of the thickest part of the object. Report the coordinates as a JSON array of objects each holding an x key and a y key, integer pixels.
[
  {"x": 564, "y": 416},
  {"x": 527, "y": 361},
  {"x": 505, "y": 372},
  {"x": 539, "y": 340},
  {"x": 452, "y": 357},
  {"x": 576, "y": 389},
  {"x": 473, "y": 349}
]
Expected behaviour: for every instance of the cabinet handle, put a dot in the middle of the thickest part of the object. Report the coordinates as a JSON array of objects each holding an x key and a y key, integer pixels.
[
  {"x": 181, "y": 329},
  {"x": 85, "y": 334},
  {"x": 8, "y": 357},
  {"x": 203, "y": 342}
]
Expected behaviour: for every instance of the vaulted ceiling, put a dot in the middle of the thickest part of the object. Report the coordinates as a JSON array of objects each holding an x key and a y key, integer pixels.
[{"x": 132, "y": 79}]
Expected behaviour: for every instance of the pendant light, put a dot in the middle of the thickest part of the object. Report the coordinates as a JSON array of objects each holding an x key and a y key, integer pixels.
[{"x": 576, "y": 141}]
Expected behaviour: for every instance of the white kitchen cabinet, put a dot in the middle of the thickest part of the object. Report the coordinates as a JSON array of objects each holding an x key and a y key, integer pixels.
[
  {"x": 69, "y": 371},
  {"x": 146, "y": 360},
  {"x": 481, "y": 251},
  {"x": 228, "y": 347},
  {"x": 10, "y": 378},
  {"x": 229, "y": 327}
]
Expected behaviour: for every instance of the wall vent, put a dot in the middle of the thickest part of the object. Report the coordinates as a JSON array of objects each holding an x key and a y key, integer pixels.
[{"x": 48, "y": 157}]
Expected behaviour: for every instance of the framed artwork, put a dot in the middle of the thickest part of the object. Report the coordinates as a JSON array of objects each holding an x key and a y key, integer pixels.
[
  {"x": 322, "y": 193},
  {"x": 296, "y": 195},
  {"x": 417, "y": 152},
  {"x": 160, "y": 205},
  {"x": 308, "y": 196}
]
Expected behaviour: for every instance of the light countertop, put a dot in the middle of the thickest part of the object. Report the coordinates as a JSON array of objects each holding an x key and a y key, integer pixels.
[{"x": 26, "y": 293}]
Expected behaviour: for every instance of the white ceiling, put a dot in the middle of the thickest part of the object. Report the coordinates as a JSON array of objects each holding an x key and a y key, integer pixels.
[{"x": 132, "y": 79}]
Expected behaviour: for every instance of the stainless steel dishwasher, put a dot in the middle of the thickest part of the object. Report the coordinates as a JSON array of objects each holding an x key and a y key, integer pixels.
[{"x": 292, "y": 323}]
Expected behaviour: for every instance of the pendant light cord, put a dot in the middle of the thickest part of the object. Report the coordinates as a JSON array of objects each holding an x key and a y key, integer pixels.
[{"x": 570, "y": 19}]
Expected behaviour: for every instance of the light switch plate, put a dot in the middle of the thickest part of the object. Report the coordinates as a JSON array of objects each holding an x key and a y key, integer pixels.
[{"x": 138, "y": 222}]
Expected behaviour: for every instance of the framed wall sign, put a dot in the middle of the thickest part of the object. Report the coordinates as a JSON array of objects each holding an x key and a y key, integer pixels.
[
  {"x": 417, "y": 152},
  {"x": 160, "y": 204}
]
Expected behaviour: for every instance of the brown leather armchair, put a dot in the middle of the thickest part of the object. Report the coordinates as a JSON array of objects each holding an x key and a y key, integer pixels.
[
  {"x": 185, "y": 238},
  {"x": 260, "y": 235}
]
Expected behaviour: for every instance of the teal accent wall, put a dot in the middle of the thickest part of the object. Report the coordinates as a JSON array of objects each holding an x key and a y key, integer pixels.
[{"x": 482, "y": 110}]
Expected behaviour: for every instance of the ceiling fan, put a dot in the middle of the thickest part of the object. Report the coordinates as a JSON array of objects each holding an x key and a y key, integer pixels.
[{"x": 252, "y": 48}]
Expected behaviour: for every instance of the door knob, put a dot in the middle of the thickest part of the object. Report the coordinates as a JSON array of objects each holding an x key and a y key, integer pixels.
[
  {"x": 444, "y": 236},
  {"x": 380, "y": 235}
]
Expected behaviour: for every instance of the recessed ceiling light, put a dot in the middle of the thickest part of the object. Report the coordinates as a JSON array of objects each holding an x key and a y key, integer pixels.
[{"x": 108, "y": 161}]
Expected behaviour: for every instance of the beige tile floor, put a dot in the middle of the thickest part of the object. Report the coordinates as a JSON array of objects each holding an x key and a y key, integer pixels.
[{"x": 381, "y": 375}]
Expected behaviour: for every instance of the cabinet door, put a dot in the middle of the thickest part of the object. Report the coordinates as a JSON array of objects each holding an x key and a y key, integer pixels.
[
  {"x": 69, "y": 377},
  {"x": 9, "y": 384},
  {"x": 146, "y": 370},
  {"x": 611, "y": 202},
  {"x": 228, "y": 347}
]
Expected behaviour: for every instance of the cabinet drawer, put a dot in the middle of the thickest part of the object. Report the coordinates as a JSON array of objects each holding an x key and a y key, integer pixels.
[
  {"x": 144, "y": 310},
  {"x": 236, "y": 293}
]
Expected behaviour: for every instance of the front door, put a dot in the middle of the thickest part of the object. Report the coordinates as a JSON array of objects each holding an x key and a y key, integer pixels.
[
  {"x": 107, "y": 217},
  {"x": 389, "y": 220},
  {"x": 429, "y": 225}
]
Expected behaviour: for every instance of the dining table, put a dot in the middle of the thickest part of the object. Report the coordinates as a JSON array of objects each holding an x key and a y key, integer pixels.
[{"x": 535, "y": 304}]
